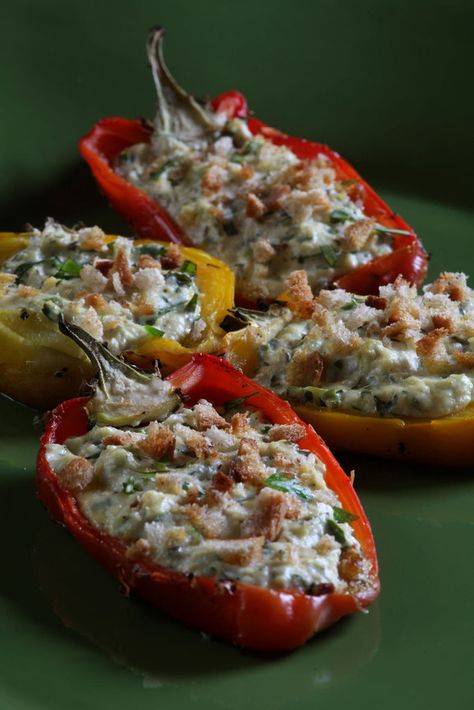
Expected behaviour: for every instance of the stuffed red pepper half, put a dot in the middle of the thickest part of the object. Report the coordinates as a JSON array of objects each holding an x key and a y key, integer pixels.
[
  {"x": 206, "y": 495},
  {"x": 262, "y": 201}
]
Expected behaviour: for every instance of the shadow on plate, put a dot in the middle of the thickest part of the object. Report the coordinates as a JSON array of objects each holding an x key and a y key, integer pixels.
[
  {"x": 70, "y": 196},
  {"x": 139, "y": 637},
  {"x": 380, "y": 474}
]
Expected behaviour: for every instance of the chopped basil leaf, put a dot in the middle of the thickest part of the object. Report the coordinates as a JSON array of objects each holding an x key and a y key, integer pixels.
[
  {"x": 23, "y": 269},
  {"x": 153, "y": 250},
  {"x": 338, "y": 533},
  {"x": 70, "y": 269},
  {"x": 343, "y": 516},
  {"x": 191, "y": 305},
  {"x": 189, "y": 267},
  {"x": 154, "y": 332},
  {"x": 288, "y": 485},
  {"x": 337, "y": 216},
  {"x": 330, "y": 255}
]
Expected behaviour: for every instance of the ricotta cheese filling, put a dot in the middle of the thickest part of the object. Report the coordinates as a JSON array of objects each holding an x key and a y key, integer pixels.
[
  {"x": 119, "y": 292},
  {"x": 222, "y": 494},
  {"x": 257, "y": 206},
  {"x": 397, "y": 354}
]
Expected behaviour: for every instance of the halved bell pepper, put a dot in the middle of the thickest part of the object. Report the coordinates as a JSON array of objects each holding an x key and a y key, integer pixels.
[
  {"x": 110, "y": 136},
  {"x": 40, "y": 367},
  {"x": 253, "y": 617},
  {"x": 445, "y": 441}
]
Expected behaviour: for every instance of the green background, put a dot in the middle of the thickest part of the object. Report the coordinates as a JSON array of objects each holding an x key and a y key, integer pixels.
[{"x": 389, "y": 85}]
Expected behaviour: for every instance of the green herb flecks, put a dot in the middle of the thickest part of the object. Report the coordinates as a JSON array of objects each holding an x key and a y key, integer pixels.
[
  {"x": 189, "y": 267},
  {"x": 343, "y": 516},
  {"x": 337, "y": 532},
  {"x": 23, "y": 269},
  {"x": 69, "y": 269},
  {"x": 387, "y": 230},
  {"x": 192, "y": 303},
  {"x": 330, "y": 255},
  {"x": 353, "y": 303},
  {"x": 153, "y": 250},
  {"x": 130, "y": 486},
  {"x": 154, "y": 332},
  {"x": 288, "y": 485},
  {"x": 338, "y": 216}
]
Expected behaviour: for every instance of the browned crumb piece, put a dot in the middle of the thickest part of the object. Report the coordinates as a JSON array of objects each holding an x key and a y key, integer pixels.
[
  {"x": 121, "y": 266},
  {"x": 94, "y": 240},
  {"x": 326, "y": 545},
  {"x": 240, "y": 423},
  {"x": 378, "y": 302},
  {"x": 142, "y": 308},
  {"x": 300, "y": 295},
  {"x": 158, "y": 443},
  {"x": 351, "y": 565},
  {"x": 451, "y": 285},
  {"x": 271, "y": 510},
  {"x": 26, "y": 291},
  {"x": 139, "y": 548},
  {"x": 5, "y": 281},
  {"x": 248, "y": 466},
  {"x": 276, "y": 197},
  {"x": 198, "y": 444},
  {"x": 282, "y": 462},
  {"x": 357, "y": 235},
  {"x": 427, "y": 345},
  {"x": 289, "y": 432},
  {"x": 263, "y": 251},
  {"x": 212, "y": 180},
  {"x": 169, "y": 483},
  {"x": 306, "y": 368},
  {"x": 145, "y": 261},
  {"x": 209, "y": 520},
  {"x": 239, "y": 552},
  {"x": 443, "y": 322},
  {"x": 76, "y": 474},
  {"x": 207, "y": 416},
  {"x": 465, "y": 359},
  {"x": 255, "y": 207},
  {"x": 222, "y": 482},
  {"x": 120, "y": 438},
  {"x": 96, "y": 300},
  {"x": 173, "y": 258}
]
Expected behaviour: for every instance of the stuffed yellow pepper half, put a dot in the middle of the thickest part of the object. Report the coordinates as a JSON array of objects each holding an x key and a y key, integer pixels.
[
  {"x": 147, "y": 300},
  {"x": 390, "y": 375}
]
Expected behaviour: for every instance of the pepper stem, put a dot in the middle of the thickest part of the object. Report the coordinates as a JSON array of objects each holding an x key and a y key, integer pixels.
[
  {"x": 178, "y": 114},
  {"x": 124, "y": 395}
]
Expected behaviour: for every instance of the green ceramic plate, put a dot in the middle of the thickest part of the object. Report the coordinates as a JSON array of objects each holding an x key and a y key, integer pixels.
[{"x": 389, "y": 85}]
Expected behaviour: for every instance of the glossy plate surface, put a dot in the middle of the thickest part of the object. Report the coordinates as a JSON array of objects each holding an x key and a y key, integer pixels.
[{"x": 387, "y": 84}]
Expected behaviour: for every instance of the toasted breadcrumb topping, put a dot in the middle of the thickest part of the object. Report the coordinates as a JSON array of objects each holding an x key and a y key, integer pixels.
[
  {"x": 399, "y": 353},
  {"x": 258, "y": 207},
  {"x": 113, "y": 289},
  {"x": 224, "y": 495}
]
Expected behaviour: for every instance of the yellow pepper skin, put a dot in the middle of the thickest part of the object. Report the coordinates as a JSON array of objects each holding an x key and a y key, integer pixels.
[
  {"x": 444, "y": 441},
  {"x": 41, "y": 367}
]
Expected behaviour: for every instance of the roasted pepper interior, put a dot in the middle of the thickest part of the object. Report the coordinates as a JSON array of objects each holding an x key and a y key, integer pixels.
[
  {"x": 154, "y": 300},
  {"x": 250, "y": 202},
  {"x": 220, "y": 492},
  {"x": 397, "y": 367}
]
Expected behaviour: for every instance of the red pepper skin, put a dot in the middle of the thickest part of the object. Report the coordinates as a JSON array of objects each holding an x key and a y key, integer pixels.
[
  {"x": 110, "y": 136},
  {"x": 247, "y": 615}
]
